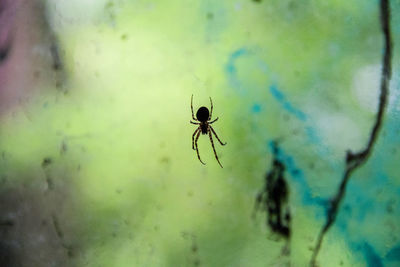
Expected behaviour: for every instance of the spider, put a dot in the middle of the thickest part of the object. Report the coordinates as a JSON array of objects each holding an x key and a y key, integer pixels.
[{"x": 203, "y": 120}]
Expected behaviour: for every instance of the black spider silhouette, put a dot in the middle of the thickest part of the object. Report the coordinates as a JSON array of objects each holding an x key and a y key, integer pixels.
[{"x": 203, "y": 120}]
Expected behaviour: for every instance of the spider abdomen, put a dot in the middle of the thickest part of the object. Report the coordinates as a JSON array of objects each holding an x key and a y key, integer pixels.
[
  {"x": 204, "y": 128},
  {"x": 203, "y": 114}
]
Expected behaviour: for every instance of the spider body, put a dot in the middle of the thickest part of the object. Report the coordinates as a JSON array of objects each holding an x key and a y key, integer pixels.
[
  {"x": 203, "y": 119},
  {"x": 202, "y": 116}
]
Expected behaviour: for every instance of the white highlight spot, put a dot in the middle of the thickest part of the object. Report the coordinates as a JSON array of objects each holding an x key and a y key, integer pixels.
[
  {"x": 366, "y": 88},
  {"x": 339, "y": 131}
]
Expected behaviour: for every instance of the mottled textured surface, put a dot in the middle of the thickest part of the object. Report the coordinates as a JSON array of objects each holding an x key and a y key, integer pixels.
[{"x": 96, "y": 164}]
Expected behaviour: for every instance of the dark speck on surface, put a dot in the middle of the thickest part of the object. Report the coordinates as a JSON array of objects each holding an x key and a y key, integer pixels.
[
  {"x": 7, "y": 222},
  {"x": 55, "y": 53},
  {"x": 4, "y": 52},
  {"x": 164, "y": 160},
  {"x": 46, "y": 162},
  {"x": 36, "y": 74},
  {"x": 390, "y": 206},
  {"x": 63, "y": 147}
]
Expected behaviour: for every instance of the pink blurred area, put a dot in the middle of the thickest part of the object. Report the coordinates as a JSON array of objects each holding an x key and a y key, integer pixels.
[{"x": 26, "y": 56}]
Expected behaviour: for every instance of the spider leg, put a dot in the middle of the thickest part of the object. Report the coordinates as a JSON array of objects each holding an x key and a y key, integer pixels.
[
  {"x": 209, "y": 117},
  {"x": 195, "y": 132},
  {"x": 212, "y": 144},
  {"x": 213, "y": 121},
  {"x": 194, "y": 122},
  {"x": 217, "y": 136},
  {"x": 197, "y": 149},
  {"x": 191, "y": 106}
]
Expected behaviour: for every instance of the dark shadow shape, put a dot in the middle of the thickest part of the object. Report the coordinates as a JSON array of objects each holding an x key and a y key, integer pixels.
[
  {"x": 273, "y": 198},
  {"x": 4, "y": 52},
  {"x": 5, "y": 49}
]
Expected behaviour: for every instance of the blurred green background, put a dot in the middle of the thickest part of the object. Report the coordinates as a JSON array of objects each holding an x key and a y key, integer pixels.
[{"x": 96, "y": 162}]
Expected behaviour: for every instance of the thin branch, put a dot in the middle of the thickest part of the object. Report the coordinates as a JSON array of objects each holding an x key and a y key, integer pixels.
[{"x": 356, "y": 160}]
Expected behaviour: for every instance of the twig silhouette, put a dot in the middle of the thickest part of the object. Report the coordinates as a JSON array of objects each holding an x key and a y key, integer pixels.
[{"x": 356, "y": 160}]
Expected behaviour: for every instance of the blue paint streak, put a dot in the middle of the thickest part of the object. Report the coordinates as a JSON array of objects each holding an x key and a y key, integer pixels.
[
  {"x": 277, "y": 94},
  {"x": 312, "y": 136},
  {"x": 357, "y": 193},
  {"x": 231, "y": 69},
  {"x": 361, "y": 195},
  {"x": 281, "y": 98},
  {"x": 235, "y": 83},
  {"x": 298, "y": 177}
]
